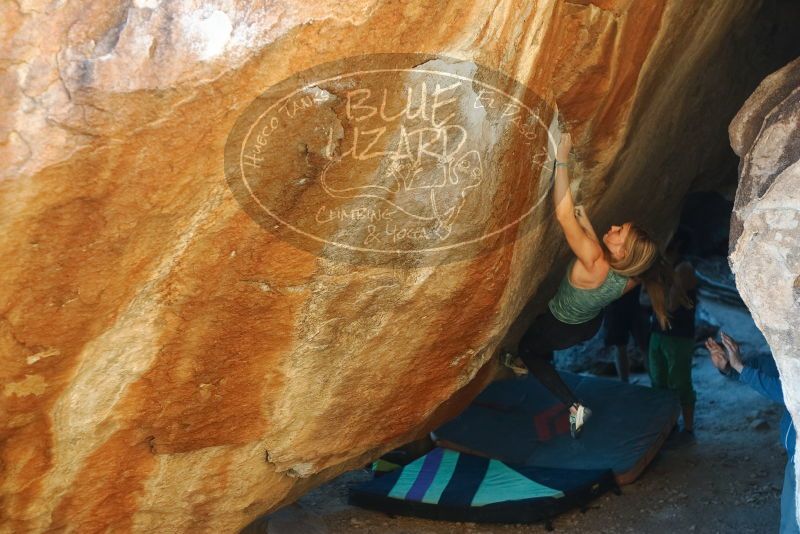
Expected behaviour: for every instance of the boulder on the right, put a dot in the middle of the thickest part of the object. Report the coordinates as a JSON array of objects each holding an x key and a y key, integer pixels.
[{"x": 765, "y": 225}]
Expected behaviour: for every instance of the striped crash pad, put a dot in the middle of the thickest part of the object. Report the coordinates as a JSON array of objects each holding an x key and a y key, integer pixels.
[
  {"x": 518, "y": 421},
  {"x": 453, "y": 486}
]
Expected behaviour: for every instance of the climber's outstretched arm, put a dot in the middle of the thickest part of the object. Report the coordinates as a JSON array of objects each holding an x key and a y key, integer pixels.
[
  {"x": 586, "y": 224},
  {"x": 585, "y": 247}
]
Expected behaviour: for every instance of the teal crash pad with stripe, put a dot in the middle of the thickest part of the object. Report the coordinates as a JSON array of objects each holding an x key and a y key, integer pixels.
[
  {"x": 501, "y": 484},
  {"x": 449, "y": 485}
]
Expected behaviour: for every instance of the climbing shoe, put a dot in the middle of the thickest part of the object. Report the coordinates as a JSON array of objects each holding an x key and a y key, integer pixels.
[
  {"x": 515, "y": 364},
  {"x": 577, "y": 419}
]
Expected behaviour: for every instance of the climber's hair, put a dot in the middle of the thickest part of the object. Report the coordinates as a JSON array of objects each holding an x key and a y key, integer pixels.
[
  {"x": 644, "y": 261},
  {"x": 641, "y": 252}
]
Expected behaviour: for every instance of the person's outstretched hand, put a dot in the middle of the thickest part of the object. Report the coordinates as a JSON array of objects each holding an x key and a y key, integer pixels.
[
  {"x": 732, "y": 350},
  {"x": 717, "y": 356},
  {"x": 564, "y": 146}
]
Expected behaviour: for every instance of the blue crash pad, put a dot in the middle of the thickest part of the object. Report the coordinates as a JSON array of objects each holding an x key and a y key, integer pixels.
[{"x": 520, "y": 422}]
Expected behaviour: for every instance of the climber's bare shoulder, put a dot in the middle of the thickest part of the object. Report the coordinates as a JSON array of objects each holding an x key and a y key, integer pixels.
[
  {"x": 589, "y": 277},
  {"x": 584, "y": 246}
]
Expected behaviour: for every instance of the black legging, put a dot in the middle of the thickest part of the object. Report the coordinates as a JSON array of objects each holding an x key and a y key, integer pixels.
[{"x": 545, "y": 335}]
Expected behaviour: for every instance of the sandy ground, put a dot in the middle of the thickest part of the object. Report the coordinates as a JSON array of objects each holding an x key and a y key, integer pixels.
[{"x": 729, "y": 480}]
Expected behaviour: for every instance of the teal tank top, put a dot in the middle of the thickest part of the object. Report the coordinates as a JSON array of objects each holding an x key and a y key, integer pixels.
[{"x": 574, "y": 305}]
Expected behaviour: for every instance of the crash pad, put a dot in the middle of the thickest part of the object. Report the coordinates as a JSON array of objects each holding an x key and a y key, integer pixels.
[{"x": 521, "y": 422}]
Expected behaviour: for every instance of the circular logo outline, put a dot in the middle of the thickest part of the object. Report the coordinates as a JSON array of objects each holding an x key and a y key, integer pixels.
[{"x": 242, "y": 176}]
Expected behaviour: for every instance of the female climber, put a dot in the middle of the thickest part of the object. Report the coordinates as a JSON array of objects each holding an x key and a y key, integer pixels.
[{"x": 602, "y": 271}]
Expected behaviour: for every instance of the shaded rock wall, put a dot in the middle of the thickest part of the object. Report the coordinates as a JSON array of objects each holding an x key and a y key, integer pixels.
[
  {"x": 765, "y": 227},
  {"x": 170, "y": 365}
]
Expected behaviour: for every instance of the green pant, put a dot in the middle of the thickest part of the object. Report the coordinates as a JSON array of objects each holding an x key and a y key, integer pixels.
[{"x": 670, "y": 360}]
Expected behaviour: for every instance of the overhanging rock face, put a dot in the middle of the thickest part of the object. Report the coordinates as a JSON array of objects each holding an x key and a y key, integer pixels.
[
  {"x": 178, "y": 356},
  {"x": 765, "y": 227}
]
